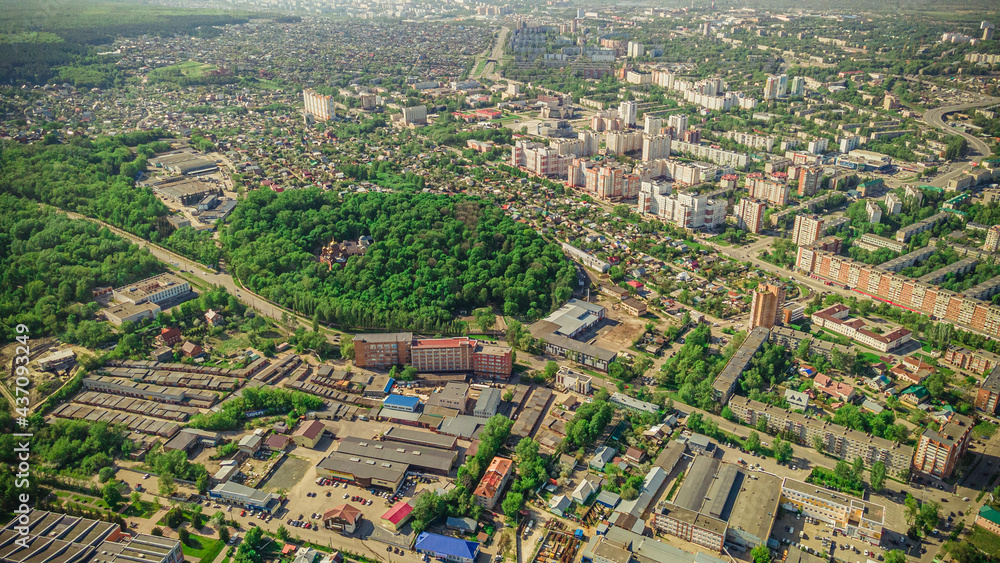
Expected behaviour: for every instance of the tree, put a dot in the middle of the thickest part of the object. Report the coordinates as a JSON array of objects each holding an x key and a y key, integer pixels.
[
  {"x": 282, "y": 533},
  {"x": 782, "y": 450},
  {"x": 347, "y": 348},
  {"x": 202, "y": 483},
  {"x": 761, "y": 425},
  {"x": 753, "y": 442},
  {"x": 761, "y": 554},
  {"x": 912, "y": 508},
  {"x": 183, "y": 535},
  {"x": 728, "y": 414},
  {"x": 508, "y": 395},
  {"x": 167, "y": 487},
  {"x": 858, "y": 469},
  {"x": 511, "y": 505},
  {"x": 818, "y": 444},
  {"x": 224, "y": 534},
  {"x": 930, "y": 515},
  {"x": 105, "y": 474},
  {"x": 877, "y": 476},
  {"x": 629, "y": 493},
  {"x": 895, "y": 556},
  {"x": 550, "y": 370},
  {"x": 112, "y": 495},
  {"x": 135, "y": 497},
  {"x": 156, "y": 532}
]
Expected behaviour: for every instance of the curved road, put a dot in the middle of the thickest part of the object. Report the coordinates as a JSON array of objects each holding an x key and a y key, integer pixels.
[
  {"x": 252, "y": 300},
  {"x": 935, "y": 118}
]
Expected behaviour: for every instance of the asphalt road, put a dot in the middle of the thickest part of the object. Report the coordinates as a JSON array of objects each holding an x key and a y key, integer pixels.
[{"x": 935, "y": 118}]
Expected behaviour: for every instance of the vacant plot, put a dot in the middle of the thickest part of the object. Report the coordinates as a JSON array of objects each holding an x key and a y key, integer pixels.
[
  {"x": 985, "y": 541},
  {"x": 287, "y": 474},
  {"x": 203, "y": 549}
]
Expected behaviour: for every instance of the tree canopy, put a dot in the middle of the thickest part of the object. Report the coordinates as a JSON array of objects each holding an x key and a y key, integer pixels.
[{"x": 431, "y": 257}]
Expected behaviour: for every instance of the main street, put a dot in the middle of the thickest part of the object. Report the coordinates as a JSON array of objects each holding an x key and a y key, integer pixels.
[{"x": 935, "y": 118}]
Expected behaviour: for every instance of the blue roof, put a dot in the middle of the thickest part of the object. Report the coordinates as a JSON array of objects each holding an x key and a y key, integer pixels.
[
  {"x": 388, "y": 385},
  {"x": 443, "y": 545},
  {"x": 402, "y": 401}
]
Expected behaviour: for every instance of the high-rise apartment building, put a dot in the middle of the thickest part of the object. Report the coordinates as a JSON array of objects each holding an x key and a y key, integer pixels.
[
  {"x": 679, "y": 123},
  {"x": 416, "y": 115},
  {"x": 635, "y": 50},
  {"x": 771, "y": 88},
  {"x": 621, "y": 142},
  {"x": 655, "y": 147},
  {"x": 809, "y": 179},
  {"x": 539, "y": 159},
  {"x": 683, "y": 209},
  {"x": 768, "y": 190},
  {"x": 750, "y": 215},
  {"x": 798, "y": 86},
  {"x": 317, "y": 105},
  {"x": 766, "y": 306},
  {"x": 628, "y": 112},
  {"x": 808, "y": 229},
  {"x": 992, "y": 239},
  {"x": 652, "y": 124},
  {"x": 938, "y": 452}
]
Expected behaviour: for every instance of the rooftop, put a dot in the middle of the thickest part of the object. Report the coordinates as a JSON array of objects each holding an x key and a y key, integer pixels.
[
  {"x": 384, "y": 337},
  {"x": 398, "y": 452},
  {"x": 364, "y": 467}
]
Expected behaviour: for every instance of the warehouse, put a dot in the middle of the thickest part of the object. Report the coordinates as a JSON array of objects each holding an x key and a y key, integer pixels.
[
  {"x": 420, "y": 458},
  {"x": 363, "y": 472}
]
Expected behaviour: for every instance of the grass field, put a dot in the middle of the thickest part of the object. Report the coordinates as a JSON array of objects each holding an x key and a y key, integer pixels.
[
  {"x": 29, "y": 37},
  {"x": 190, "y": 69},
  {"x": 985, "y": 541},
  {"x": 142, "y": 509},
  {"x": 202, "y": 548},
  {"x": 985, "y": 429}
]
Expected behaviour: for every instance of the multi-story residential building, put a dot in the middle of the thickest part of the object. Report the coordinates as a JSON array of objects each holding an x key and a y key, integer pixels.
[
  {"x": 628, "y": 111},
  {"x": 761, "y": 142},
  {"x": 679, "y": 124},
  {"x": 711, "y": 154},
  {"x": 874, "y": 212},
  {"x": 691, "y": 211},
  {"x": 317, "y": 105},
  {"x": 818, "y": 146},
  {"x": 849, "y": 143},
  {"x": 808, "y": 229},
  {"x": 153, "y": 290},
  {"x": 652, "y": 125},
  {"x": 539, "y": 159},
  {"x": 907, "y": 292},
  {"x": 809, "y": 179},
  {"x": 798, "y": 86},
  {"x": 904, "y": 234},
  {"x": 992, "y": 239},
  {"x": 416, "y": 115},
  {"x": 768, "y": 190},
  {"x": 621, "y": 142},
  {"x": 988, "y": 394},
  {"x": 976, "y": 361},
  {"x": 635, "y": 50},
  {"x": 835, "y": 318},
  {"x": 914, "y": 192},
  {"x": 573, "y": 147},
  {"x": 493, "y": 482},
  {"x": 655, "y": 147},
  {"x": 381, "y": 351},
  {"x": 766, "y": 306},
  {"x": 872, "y": 243},
  {"x": 771, "y": 88},
  {"x": 750, "y": 215},
  {"x": 837, "y": 441},
  {"x": 852, "y": 516},
  {"x": 609, "y": 180},
  {"x": 938, "y": 452},
  {"x": 725, "y": 384},
  {"x": 893, "y": 204}
]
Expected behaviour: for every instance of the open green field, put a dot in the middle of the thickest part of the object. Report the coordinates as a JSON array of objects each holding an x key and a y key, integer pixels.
[
  {"x": 202, "y": 548},
  {"x": 985, "y": 541},
  {"x": 190, "y": 69},
  {"x": 29, "y": 37}
]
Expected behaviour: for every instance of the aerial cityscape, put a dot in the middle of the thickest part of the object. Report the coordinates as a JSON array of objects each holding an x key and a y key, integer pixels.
[{"x": 499, "y": 281}]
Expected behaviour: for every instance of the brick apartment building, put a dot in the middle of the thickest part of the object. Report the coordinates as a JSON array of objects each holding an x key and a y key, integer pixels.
[
  {"x": 381, "y": 351},
  {"x": 938, "y": 452}
]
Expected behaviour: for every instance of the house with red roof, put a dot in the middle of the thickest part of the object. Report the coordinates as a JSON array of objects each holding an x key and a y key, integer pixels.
[
  {"x": 397, "y": 516},
  {"x": 835, "y": 389},
  {"x": 170, "y": 336}
]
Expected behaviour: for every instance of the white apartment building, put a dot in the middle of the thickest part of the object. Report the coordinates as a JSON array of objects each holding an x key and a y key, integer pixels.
[
  {"x": 317, "y": 105},
  {"x": 893, "y": 205},
  {"x": 711, "y": 154},
  {"x": 539, "y": 159},
  {"x": 686, "y": 210},
  {"x": 655, "y": 147},
  {"x": 628, "y": 112},
  {"x": 760, "y": 142},
  {"x": 652, "y": 124},
  {"x": 621, "y": 142}
]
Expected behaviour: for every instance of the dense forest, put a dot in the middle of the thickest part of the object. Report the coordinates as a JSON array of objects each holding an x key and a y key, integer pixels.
[
  {"x": 75, "y": 30},
  {"x": 93, "y": 177},
  {"x": 49, "y": 264},
  {"x": 432, "y": 256}
]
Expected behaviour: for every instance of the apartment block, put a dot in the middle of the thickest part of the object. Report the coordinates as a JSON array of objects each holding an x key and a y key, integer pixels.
[
  {"x": 765, "y": 308},
  {"x": 893, "y": 204},
  {"x": 381, "y": 351},
  {"x": 621, "y": 142},
  {"x": 655, "y": 147},
  {"x": 760, "y": 142},
  {"x": 699, "y": 529},
  {"x": 539, "y": 159},
  {"x": 849, "y": 515},
  {"x": 992, "y": 239},
  {"x": 767, "y": 189},
  {"x": 872, "y": 243},
  {"x": 416, "y": 115},
  {"x": 808, "y": 180},
  {"x": 976, "y": 361},
  {"x": 493, "y": 482},
  {"x": 317, "y": 105},
  {"x": 711, "y": 154},
  {"x": 938, "y": 452},
  {"x": 906, "y": 292},
  {"x": 988, "y": 394},
  {"x": 691, "y": 211},
  {"x": 808, "y": 229},
  {"x": 838, "y": 441},
  {"x": 874, "y": 212},
  {"x": 628, "y": 111},
  {"x": 750, "y": 215}
]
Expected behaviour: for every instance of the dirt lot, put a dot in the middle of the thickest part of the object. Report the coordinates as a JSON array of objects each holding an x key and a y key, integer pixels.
[
  {"x": 287, "y": 474},
  {"x": 619, "y": 330},
  {"x": 43, "y": 383}
]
